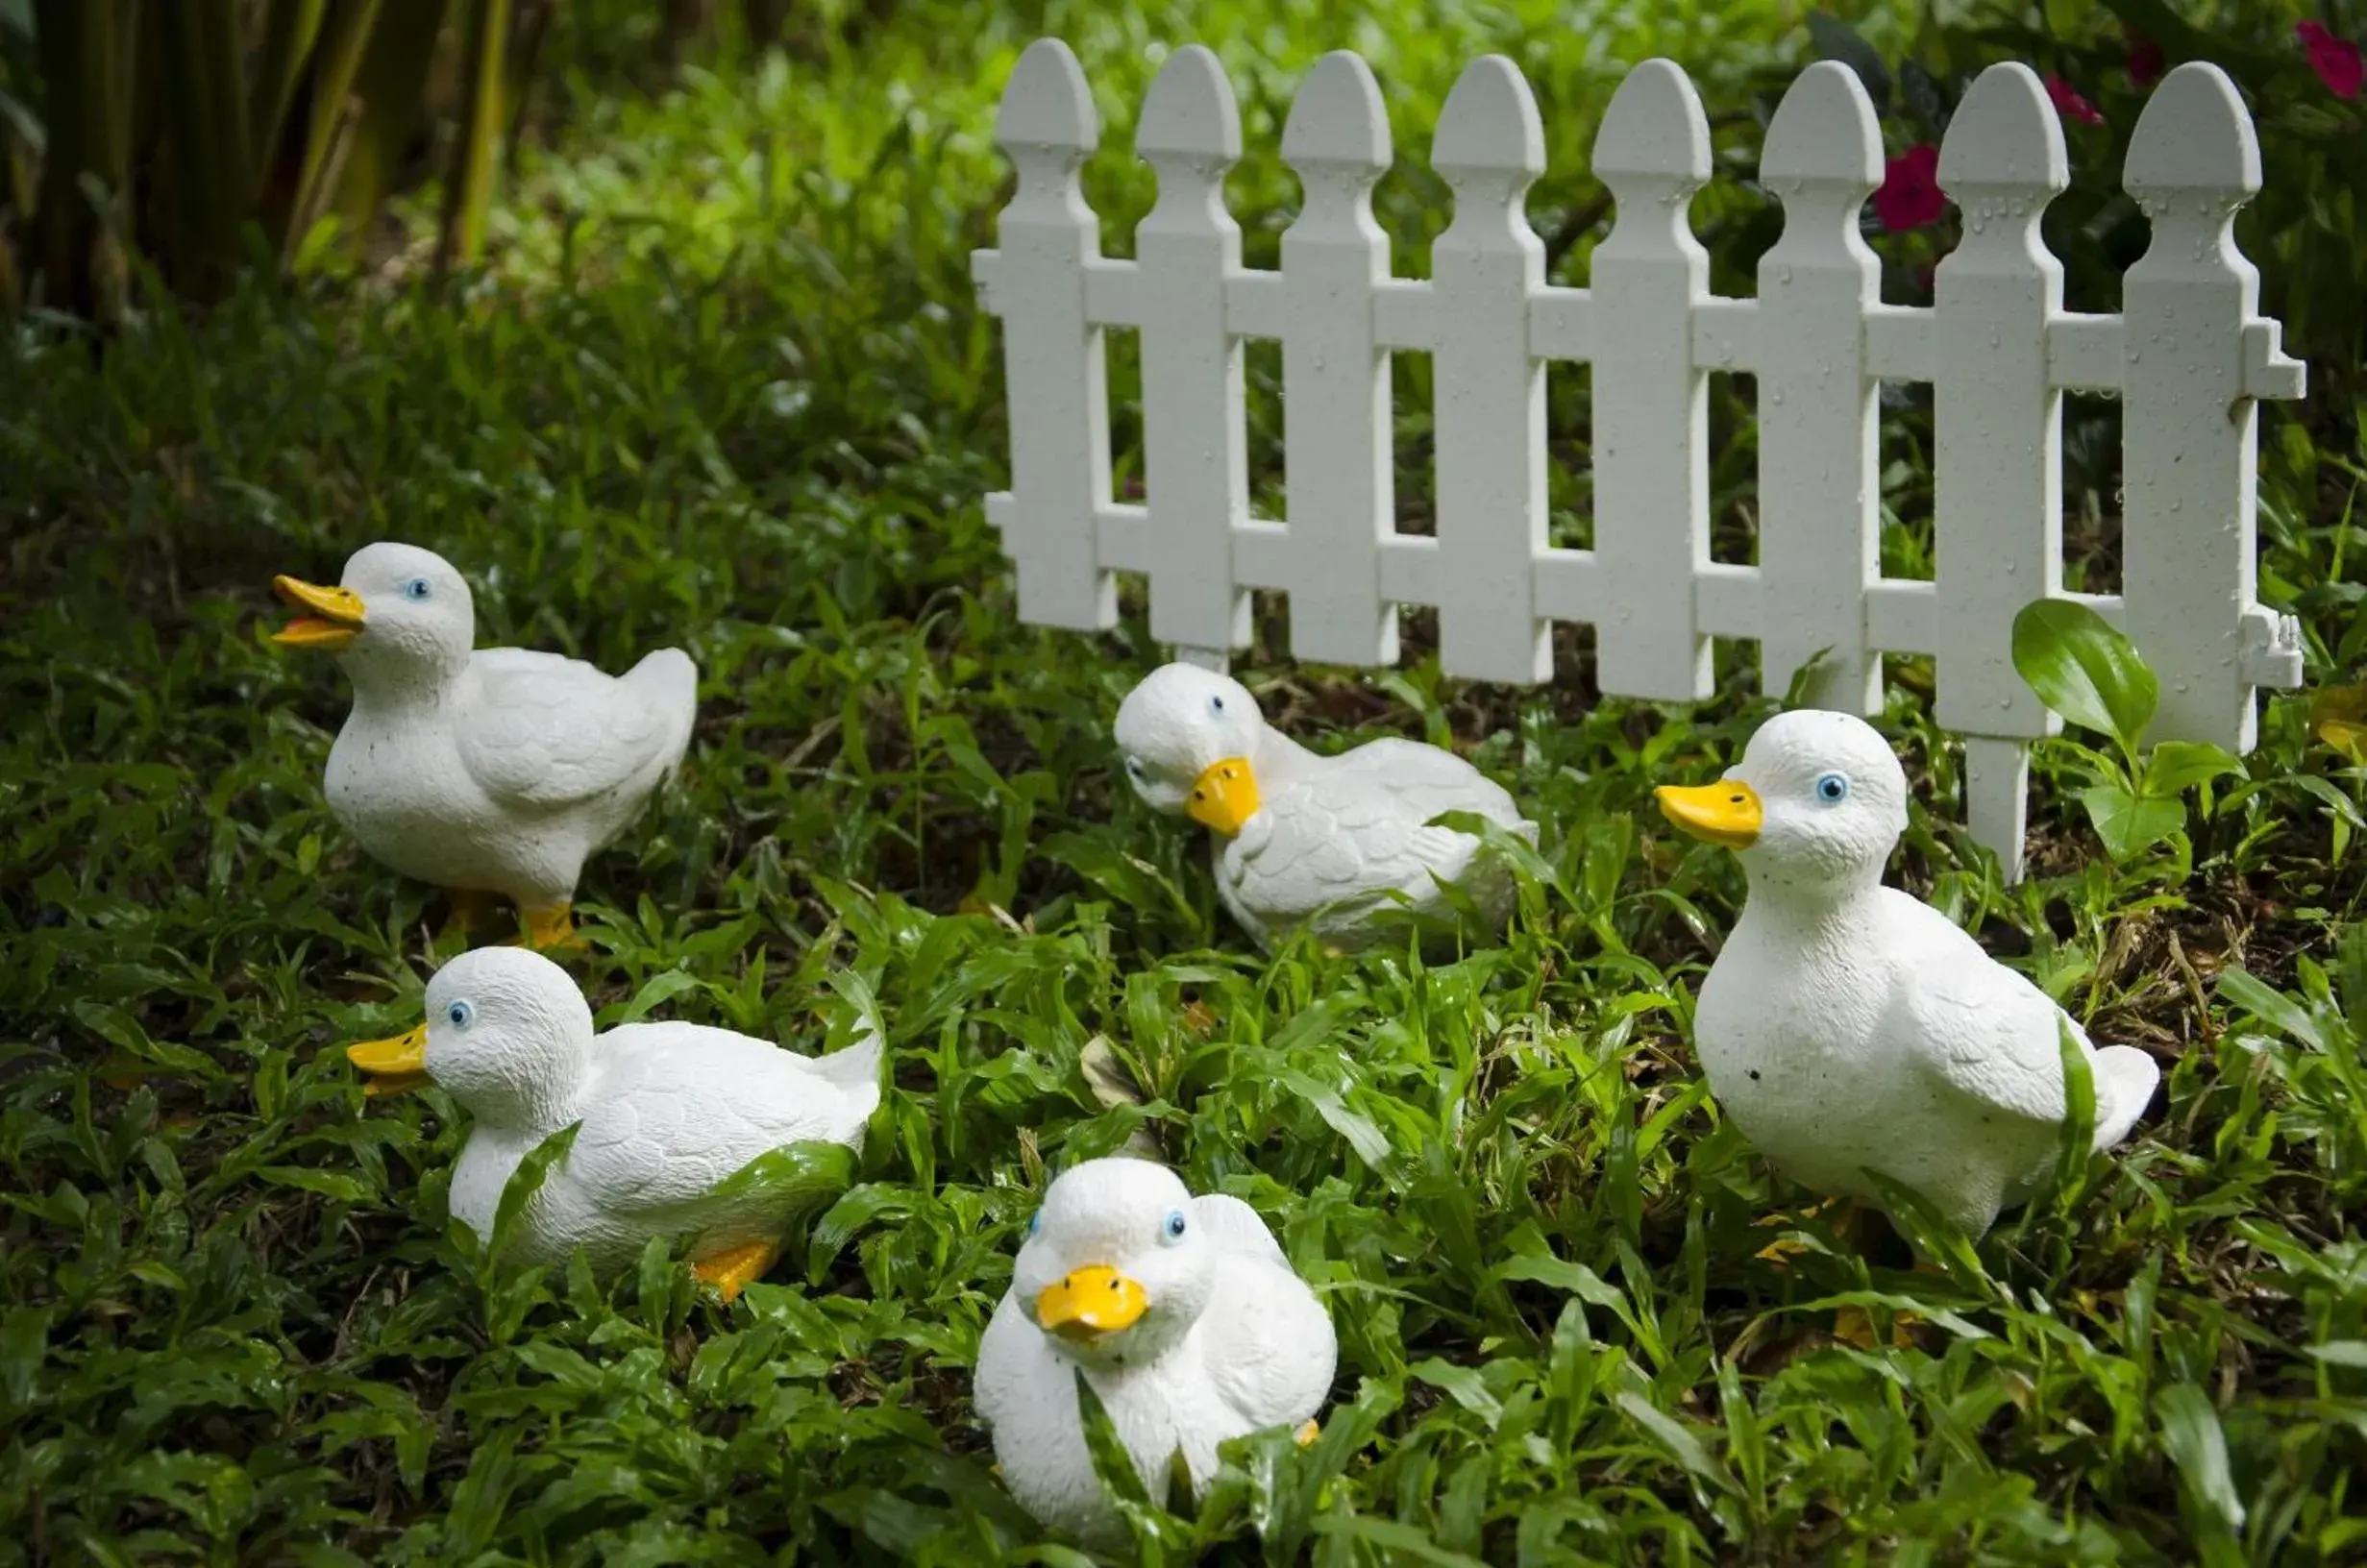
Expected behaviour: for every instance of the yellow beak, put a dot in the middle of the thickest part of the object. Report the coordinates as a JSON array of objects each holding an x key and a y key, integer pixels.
[
  {"x": 396, "y": 1066},
  {"x": 1726, "y": 812},
  {"x": 336, "y": 614},
  {"x": 1092, "y": 1302},
  {"x": 1225, "y": 797}
]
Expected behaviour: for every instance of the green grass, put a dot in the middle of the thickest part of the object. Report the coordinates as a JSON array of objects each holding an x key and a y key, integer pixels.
[{"x": 724, "y": 387}]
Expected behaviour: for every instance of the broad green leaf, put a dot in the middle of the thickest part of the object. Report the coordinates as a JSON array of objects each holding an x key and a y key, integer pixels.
[
  {"x": 2084, "y": 669},
  {"x": 1462, "y": 1384},
  {"x": 2191, "y": 1433},
  {"x": 2075, "y": 1144},
  {"x": 2176, "y": 766},
  {"x": 2342, "y": 1353},
  {"x": 798, "y": 1175},
  {"x": 1112, "y": 1464},
  {"x": 510, "y": 1214},
  {"x": 2271, "y": 1006},
  {"x": 1683, "y": 1442},
  {"x": 2130, "y": 825}
]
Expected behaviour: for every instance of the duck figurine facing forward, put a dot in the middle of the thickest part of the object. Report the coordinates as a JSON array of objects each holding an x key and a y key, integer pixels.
[
  {"x": 483, "y": 770},
  {"x": 1331, "y": 842},
  {"x": 1182, "y": 1313},
  {"x": 1846, "y": 1025},
  {"x": 669, "y": 1112}
]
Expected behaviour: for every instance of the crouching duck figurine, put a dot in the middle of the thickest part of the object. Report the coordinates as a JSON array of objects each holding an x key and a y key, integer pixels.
[
  {"x": 1846, "y": 1025},
  {"x": 1331, "y": 842},
  {"x": 492, "y": 771},
  {"x": 1180, "y": 1311},
  {"x": 668, "y": 1112}
]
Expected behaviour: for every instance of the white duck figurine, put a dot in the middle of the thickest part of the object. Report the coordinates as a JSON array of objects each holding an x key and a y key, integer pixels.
[
  {"x": 1326, "y": 841},
  {"x": 497, "y": 770},
  {"x": 1847, "y": 1025},
  {"x": 668, "y": 1110},
  {"x": 1184, "y": 1317}
]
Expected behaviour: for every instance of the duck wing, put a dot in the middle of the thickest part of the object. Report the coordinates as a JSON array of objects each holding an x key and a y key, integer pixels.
[
  {"x": 539, "y": 731},
  {"x": 1983, "y": 1029},
  {"x": 678, "y": 1108},
  {"x": 1428, "y": 780},
  {"x": 1355, "y": 826},
  {"x": 1270, "y": 1345}
]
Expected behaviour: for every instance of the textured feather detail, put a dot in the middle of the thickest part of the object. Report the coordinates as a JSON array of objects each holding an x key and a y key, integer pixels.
[
  {"x": 1237, "y": 1228},
  {"x": 678, "y": 1108},
  {"x": 538, "y": 730}
]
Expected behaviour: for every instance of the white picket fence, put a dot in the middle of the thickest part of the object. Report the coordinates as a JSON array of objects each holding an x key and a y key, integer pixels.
[{"x": 2187, "y": 355}]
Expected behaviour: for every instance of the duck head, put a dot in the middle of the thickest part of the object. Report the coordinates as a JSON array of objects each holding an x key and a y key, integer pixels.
[
  {"x": 1189, "y": 738},
  {"x": 1116, "y": 1267},
  {"x": 1816, "y": 803},
  {"x": 507, "y": 1035},
  {"x": 399, "y": 616}
]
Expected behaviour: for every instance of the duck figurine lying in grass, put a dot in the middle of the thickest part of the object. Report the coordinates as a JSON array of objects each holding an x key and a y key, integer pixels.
[
  {"x": 1331, "y": 842},
  {"x": 669, "y": 1112},
  {"x": 497, "y": 770},
  {"x": 1180, "y": 1311},
  {"x": 1847, "y": 1025}
]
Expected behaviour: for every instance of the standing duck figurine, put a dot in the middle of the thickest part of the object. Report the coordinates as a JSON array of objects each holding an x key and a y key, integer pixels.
[
  {"x": 1331, "y": 842},
  {"x": 668, "y": 1111},
  {"x": 483, "y": 770},
  {"x": 1846, "y": 1025},
  {"x": 1182, "y": 1313}
]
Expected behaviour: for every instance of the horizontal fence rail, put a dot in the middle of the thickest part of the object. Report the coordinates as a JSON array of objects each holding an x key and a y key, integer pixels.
[{"x": 2189, "y": 356}]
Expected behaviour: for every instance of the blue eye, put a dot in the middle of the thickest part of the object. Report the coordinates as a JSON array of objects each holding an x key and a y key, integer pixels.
[
  {"x": 1173, "y": 1229},
  {"x": 416, "y": 589},
  {"x": 1833, "y": 788},
  {"x": 1216, "y": 705},
  {"x": 460, "y": 1014}
]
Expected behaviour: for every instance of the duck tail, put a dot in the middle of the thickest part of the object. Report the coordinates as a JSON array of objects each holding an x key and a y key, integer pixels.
[
  {"x": 855, "y": 1070},
  {"x": 2126, "y": 1079},
  {"x": 668, "y": 680}
]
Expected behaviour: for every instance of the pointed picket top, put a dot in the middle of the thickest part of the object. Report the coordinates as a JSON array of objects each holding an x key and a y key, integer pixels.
[
  {"x": 1046, "y": 105},
  {"x": 2194, "y": 136},
  {"x": 1190, "y": 113},
  {"x": 1338, "y": 120},
  {"x": 1824, "y": 134},
  {"x": 2004, "y": 136},
  {"x": 1654, "y": 136},
  {"x": 1489, "y": 127}
]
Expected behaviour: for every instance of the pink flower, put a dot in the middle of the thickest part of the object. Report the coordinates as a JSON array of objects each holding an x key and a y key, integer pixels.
[
  {"x": 2336, "y": 61},
  {"x": 1910, "y": 197},
  {"x": 2070, "y": 105},
  {"x": 2145, "y": 60}
]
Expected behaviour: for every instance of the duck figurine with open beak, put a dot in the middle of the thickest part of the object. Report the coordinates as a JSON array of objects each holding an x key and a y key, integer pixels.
[
  {"x": 1847, "y": 1026},
  {"x": 1332, "y": 843},
  {"x": 483, "y": 770},
  {"x": 1181, "y": 1312},
  {"x": 668, "y": 1113}
]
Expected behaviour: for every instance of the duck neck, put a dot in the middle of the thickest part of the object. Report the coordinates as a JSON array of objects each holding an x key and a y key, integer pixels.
[
  {"x": 1279, "y": 757},
  {"x": 1811, "y": 907},
  {"x": 392, "y": 688}
]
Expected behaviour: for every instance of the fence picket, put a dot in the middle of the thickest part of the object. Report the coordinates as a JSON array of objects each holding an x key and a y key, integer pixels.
[
  {"x": 1053, "y": 365},
  {"x": 1817, "y": 496},
  {"x": 1487, "y": 391},
  {"x": 1999, "y": 475},
  {"x": 1194, "y": 442},
  {"x": 1651, "y": 405},
  {"x": 2194, "y": 365},
  {"x": 1337, "y": 472}
]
